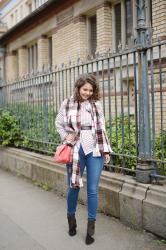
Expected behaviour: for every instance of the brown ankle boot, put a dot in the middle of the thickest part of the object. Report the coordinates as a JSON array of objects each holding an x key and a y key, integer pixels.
[
  {"x": 90, "y": 232},
  {"x": 72, "y": 224}
]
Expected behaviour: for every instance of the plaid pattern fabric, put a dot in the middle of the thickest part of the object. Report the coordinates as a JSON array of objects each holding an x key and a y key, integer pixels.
[{"x": 72, "y": 124}]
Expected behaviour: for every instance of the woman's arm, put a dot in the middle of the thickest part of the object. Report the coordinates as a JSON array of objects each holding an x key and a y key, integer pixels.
[
  {"x": 107, "y": 149},
  {"x": 101, "y": 113},
  {"x": 59, "y": 123}
]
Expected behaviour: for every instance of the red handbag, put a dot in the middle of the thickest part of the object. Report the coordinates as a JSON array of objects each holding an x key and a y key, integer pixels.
[{"x": 63, "y": 154}]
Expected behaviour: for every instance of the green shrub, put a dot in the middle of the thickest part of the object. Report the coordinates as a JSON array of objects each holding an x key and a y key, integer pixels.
[
  {"x": 10, "y": 132},
  {"x": 129, "y": 143},
  {"x": 38, "y": 126},
  {"x": 160, "y": 150},
  {"x": 120, "y": 145},
  {"x": 159, "y": 140}
]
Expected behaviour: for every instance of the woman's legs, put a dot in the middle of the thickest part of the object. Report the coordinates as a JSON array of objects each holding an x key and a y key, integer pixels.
[
  {"x": 94, "y": 166},
  {"x": 72, "y": 195}
]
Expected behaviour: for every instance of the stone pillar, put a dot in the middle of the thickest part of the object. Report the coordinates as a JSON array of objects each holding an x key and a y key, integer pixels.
[
  {"x": 42, "y": 45},
  {"x": 159, "y": 19},
  {"x": 81, "y": 28},
  {"x": 22, "y": 61},
  {"x": 11, "y": 67},
  {"x": 104, "y": 27},
  {"x": 69, "y": 42}
]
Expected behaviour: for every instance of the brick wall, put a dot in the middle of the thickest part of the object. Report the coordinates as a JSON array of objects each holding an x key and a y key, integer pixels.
[
  {"x": 159, "y": 19},
  {"x": 104, "y": 27},
  {"x": 70, "y": 41}
]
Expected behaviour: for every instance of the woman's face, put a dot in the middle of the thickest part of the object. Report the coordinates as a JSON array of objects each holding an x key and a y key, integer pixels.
[{"x": 86, "y": 91}]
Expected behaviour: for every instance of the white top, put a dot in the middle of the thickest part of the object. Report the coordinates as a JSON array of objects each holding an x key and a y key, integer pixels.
[{"x": 86, "y": 138}]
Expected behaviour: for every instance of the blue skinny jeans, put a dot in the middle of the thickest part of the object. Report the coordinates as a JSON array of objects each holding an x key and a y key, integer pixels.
[{"x": 94, "y": 166}]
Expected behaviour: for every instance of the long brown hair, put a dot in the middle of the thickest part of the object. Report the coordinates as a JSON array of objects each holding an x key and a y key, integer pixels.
[{"x": 83, "y": 79}]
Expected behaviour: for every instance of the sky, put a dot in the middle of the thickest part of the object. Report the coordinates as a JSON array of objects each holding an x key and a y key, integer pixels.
[{"x": 8, "y": 6}]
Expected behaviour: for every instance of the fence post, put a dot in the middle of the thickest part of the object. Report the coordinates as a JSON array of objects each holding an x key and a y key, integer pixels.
[{"x": 144, "y": 167}]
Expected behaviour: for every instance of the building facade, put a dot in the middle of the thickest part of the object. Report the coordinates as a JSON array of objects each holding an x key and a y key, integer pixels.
[
  {"x": 49, "y": 33},
  {"x": 123, "y": 42}
]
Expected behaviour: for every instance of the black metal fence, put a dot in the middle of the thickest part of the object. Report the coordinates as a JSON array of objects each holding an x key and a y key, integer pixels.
[{"x": 133, "y": 93}]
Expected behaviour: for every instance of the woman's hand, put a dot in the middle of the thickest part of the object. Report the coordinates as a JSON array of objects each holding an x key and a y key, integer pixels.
[
  {"x": 70, "y": 137},
  {"x": 107, "y": 158}
]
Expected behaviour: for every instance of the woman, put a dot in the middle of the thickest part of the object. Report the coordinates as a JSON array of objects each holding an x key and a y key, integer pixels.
[{"x": 81, "y": 122}]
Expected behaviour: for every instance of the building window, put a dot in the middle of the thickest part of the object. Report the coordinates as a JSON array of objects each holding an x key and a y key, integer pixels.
[
  {"x": 36, "y": 3},
  {"x": 128, "y": 21},
  {"x": 21, "y": 12},
  {"x": 32, "y": 58},
  {"x": 148, "y": 13},
  {"x": 17, "y": 65},
  {"x": 16, "y": 16},
  {"x": 12, "y": 19},
  {"x": 2, "y": 68},
  {"x": 123, "y": 13},
  {"x": 117, "y": 25},
  {"x": 125, "y": 22},
  {"x": 39, "y": 2},
  {"x": 92, "y": 35},
  {"x": 29, "y": 60},
  {"x": 50, "y": 50},
  {"x": 150, "y": 8},
  {"x": 29, "y": 8},
  {"x": 36, "y": 57}
]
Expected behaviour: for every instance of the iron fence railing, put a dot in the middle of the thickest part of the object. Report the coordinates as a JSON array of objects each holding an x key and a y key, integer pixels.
[{"x": 135, "y": 112}]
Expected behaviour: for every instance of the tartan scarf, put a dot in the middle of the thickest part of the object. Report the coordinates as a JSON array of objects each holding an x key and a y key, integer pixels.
[{"x": 72, "y": 124}]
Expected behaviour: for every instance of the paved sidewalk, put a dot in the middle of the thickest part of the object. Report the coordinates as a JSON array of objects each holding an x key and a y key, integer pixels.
[{"x": 32, "y": 219}]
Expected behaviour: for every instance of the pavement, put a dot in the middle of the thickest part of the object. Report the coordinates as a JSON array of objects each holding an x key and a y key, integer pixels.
[{"x": 34, "y": 219}]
